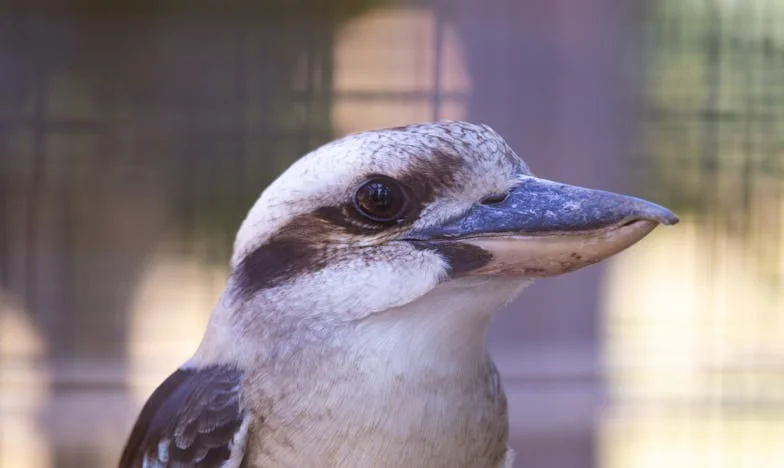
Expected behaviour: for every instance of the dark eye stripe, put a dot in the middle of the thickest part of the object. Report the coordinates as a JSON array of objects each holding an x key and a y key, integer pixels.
[
  {"x": 277, "y": 261},
  {"x": 303, "y": 245},
  {"x": 460, "y": 257}
]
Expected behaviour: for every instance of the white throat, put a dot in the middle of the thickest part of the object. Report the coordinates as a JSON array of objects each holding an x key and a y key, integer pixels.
[
  {"x": 442, "y": 332},
  {"x": 410, "y": 386}
]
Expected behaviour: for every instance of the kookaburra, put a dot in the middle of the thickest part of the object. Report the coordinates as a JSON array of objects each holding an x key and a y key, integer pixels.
[{"x": 352, "y": 330}]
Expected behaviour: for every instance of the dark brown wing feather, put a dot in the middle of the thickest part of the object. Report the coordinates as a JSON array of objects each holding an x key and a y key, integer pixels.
[{"x": 190, "y": 420}]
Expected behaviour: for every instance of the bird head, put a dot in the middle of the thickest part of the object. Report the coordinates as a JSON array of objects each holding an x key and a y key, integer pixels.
[{"x": 379, "y": 219}]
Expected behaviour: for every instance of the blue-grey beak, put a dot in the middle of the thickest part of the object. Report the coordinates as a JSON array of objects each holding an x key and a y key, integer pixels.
[{"x": 543, "y": 228}]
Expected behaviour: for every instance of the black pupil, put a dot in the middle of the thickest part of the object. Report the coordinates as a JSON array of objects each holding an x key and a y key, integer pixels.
[
  {"x": 380, "y": 197},
  {"x": 380, "y": 200}
]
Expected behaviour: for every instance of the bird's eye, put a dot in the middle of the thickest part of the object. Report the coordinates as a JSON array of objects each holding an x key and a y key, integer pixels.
[{"x": 381, "y": 199}]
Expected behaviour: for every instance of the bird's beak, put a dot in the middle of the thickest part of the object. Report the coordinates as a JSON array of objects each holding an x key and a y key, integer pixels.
[{"x": 545, "y": 228}]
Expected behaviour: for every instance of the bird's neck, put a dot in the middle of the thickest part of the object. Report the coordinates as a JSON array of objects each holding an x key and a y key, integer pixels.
[
  {"x": 442, "y": 331},
  {"x": 410, "y": 386}
]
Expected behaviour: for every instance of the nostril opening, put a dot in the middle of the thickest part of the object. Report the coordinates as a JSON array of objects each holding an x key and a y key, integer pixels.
[{"x": 495, "y": 199}]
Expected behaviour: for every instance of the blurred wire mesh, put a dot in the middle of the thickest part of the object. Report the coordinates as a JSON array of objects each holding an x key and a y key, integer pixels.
[
  {"x": 697, "y": 372},
  {"x": 134, "y": 138}
]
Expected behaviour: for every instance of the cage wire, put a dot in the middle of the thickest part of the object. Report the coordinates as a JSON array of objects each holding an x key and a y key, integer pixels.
[
  {"x": 713, "y": 140},
  {"x": 145, "y": 123}
]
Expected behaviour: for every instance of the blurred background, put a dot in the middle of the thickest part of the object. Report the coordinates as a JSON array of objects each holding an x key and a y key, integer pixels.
[{"x": 134, "y": 137}]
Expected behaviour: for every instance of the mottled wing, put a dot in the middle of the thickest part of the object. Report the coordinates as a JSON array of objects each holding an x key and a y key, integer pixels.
[{"x": 192, "y": 419}]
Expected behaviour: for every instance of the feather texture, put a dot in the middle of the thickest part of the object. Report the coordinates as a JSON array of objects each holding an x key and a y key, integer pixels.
[{"x": 192, "y": 419}]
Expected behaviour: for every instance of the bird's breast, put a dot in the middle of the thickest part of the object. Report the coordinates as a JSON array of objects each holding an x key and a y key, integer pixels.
[{"x": 360, "y": 419}]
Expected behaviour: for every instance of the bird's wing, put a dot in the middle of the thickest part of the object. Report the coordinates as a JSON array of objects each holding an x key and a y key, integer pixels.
[{"x": 192, "y": 419}]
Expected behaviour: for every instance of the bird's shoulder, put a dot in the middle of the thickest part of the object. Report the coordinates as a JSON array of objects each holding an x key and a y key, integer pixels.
[{"x": 193, "y": 418}]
